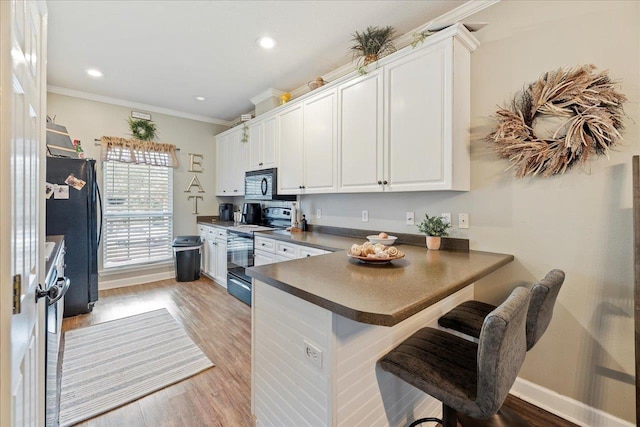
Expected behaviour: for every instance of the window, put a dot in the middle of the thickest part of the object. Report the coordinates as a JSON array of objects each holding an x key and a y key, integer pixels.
[{"x": 138, "y": 214}]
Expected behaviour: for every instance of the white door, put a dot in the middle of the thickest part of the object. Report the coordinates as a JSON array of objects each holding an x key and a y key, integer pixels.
[
  {"x": 221, "y": 262},
  {"x": 360, "y": 140},
  {"x": 241, "y": 163},
  {"x": 290, "y": 177},
  {"x": 211, "y": 255},
  {"x": 22, "y": 133},
  {"x": 269, "y": 144},
  {"x": 415, "y": 112},
  {"x": 256, "y": 138},
  {"x": 320, "y": 144}
]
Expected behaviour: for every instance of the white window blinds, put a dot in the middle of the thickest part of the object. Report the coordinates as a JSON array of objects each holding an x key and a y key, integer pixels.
[{"x": 138, "y": 214}]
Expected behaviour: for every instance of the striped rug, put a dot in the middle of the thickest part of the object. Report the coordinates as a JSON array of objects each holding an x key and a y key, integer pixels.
[{"x": 109, "y": 364}]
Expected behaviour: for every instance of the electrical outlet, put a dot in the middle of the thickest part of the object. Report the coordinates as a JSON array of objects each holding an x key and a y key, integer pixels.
[
  {"x": 411, "y": 218},
  {"x": 447, "y": 217},
  {"x": 365, "y": 216},
  {"x": 318, "y": 213},
  {"x": 463, "y": 220},
  {"x": 313, "y": 353}
]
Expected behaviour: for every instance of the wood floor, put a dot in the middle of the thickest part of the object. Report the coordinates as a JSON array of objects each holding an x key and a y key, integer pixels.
[{"x": 221, "y": 326}]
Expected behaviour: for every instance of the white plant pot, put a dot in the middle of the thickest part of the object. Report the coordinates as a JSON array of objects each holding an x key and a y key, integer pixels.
[{"x": 433, "y": 242}]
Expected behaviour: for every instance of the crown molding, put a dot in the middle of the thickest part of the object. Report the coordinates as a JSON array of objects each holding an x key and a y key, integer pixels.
[
  {"x": 269, "y": 93},
  {"x": 130, "y": 104},
  {"x": 449, "y": 18}
]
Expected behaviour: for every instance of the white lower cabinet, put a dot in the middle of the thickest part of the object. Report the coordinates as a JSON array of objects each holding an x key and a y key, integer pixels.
[
  {"x": 263, "y": 258},
  {"x": 214, "y": 254},
  {"x": 269, "y": 251},
  {"x": 211, "y": 256},
  {"x": 221, "y": 258},
  {"x": 202, "y": 232}
]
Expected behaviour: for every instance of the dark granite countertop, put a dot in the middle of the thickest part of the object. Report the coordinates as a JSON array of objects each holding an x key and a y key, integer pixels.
[
  {"x": 379, "y": 294},
  {"x": 59, "y": 243}
]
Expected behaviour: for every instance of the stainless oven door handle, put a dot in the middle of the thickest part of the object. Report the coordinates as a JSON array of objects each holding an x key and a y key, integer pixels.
[
  {"x": 242, "y": 285},
  {"x": 62, "y": 284}
]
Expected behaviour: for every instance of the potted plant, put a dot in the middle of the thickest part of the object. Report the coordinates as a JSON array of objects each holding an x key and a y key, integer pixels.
[
  {"x": 371, "y": 45},
  {"x": 435, "y": 227}
]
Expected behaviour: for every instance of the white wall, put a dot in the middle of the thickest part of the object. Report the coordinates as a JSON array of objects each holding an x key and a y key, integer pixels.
[
  {"x": 86, "y": 120},
  {"x": 580, "y": 222}
]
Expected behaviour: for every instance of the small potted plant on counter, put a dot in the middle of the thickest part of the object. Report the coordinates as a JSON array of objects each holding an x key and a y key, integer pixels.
[{"x": 435, "y": 228}]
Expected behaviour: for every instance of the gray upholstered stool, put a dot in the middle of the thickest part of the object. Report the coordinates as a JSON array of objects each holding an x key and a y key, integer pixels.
[
  {"x": 467, "y": 377},
  {"x": 468, "y": 316}
]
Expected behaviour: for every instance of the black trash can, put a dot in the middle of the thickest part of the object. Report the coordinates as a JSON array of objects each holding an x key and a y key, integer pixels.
[{"x": 186, "y": 250}]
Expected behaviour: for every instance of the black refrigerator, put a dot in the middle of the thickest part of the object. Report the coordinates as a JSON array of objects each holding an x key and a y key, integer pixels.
[{"x": 74, "y": 213}]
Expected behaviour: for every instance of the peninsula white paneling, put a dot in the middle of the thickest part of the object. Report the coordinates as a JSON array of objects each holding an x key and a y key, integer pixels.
[
  {"x": 349, "y": 389},
  {"x": 364, "y": 393},
  {"x": 288, "y": 389}
]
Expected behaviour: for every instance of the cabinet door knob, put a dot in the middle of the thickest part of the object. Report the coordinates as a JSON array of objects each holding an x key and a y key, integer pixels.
[
  {"x": 235, "y": 191},
  {"x": 308, "y": 255},
  {"x": 379, "y": 182},
  {"x": 284, "y": 250},
  {"x": 260, "y": 164},
  {"x": 385, "y": 182}
]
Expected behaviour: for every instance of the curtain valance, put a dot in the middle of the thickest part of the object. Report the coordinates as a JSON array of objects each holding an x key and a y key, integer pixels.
[{"x": 137, "y": 151}]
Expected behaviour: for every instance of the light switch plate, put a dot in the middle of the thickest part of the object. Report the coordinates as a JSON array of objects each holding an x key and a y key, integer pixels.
[
  {"x": 318, "y": 213},
  {"x": 447, "y": 217},
  {"x": 365, "y": 216}
]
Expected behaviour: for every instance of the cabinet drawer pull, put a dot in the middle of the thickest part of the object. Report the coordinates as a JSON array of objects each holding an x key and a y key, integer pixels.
[{"x": 385, "y": 182}]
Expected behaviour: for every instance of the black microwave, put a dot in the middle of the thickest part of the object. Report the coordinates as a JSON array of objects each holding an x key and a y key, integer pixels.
[{"x": 263, "y": 185}]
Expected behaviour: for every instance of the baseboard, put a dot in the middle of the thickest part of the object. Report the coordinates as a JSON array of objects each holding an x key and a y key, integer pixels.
[
  {"x": 565, "y": 407},
  {"x": 135, "y": 280}
]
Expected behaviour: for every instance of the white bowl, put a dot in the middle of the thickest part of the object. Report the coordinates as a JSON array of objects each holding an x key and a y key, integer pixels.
[{"x": 388, "y": 241}]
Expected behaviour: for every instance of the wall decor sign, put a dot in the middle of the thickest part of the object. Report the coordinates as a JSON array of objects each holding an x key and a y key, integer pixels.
[
  {"x": 587, "y": 112},
  {"x": 141, "y": 116},
  {"x": 195, "y": 166}
]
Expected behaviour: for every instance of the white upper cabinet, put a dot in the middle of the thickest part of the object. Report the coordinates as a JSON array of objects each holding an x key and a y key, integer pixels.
[
  {"x": 238, "y": 160},
  {"x": 320, "y": 143},
  {"x": 263, "y": 144},
  {"x": 404, "y": 126},
  {"x": 426, "y": 123},
  {"x": 231, "y": 163},
  {"x": 290, "y": 169},
  {"x": 360, "y": 134}
]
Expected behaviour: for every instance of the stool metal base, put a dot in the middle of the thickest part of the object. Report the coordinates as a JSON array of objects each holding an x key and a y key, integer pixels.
[{"x": 505, "y": 417}]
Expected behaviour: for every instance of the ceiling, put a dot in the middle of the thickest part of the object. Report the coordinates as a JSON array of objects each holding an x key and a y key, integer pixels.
[{"x": 165, "y": 53}]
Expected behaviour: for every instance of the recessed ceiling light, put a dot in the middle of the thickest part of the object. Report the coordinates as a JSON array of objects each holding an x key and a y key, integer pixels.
[
  {"x": 200, "y": 98},
  {"x": 266, "y": 42},
  {"x": 94, "y": 73}
]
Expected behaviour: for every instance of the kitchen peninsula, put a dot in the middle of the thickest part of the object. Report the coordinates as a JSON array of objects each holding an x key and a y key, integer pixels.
[{"x": 321, "y": 323}]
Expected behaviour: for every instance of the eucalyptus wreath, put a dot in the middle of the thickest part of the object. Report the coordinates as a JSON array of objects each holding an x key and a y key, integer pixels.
[
  {"x": 591, "y": 112},
  {"x": 144, "y": 130}
]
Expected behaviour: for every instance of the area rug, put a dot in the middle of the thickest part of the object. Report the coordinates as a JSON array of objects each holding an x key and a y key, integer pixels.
[{"x": 109, "y": 364}]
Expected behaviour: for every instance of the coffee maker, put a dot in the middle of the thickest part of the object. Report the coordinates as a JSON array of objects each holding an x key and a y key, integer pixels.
[
  {"x": 251, "y": 213},
  {"x": 225, "y": 211}
]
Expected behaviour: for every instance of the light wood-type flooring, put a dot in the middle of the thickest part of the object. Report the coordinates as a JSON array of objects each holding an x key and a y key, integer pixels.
[{"x": 221, "y": 326}]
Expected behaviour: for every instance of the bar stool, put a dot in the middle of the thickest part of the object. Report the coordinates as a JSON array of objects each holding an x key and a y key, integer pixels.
[
  {"x": 467, "y": 377},
  {"x": 468, "y": 316}
]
